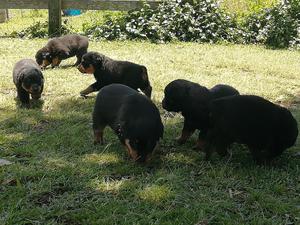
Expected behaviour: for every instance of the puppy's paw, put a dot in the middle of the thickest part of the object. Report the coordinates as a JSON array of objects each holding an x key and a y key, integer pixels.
[
  {"x": 98, "y": 142},
  {"x": 180, "y": 140},
  {"x": 83, "y": 96}
]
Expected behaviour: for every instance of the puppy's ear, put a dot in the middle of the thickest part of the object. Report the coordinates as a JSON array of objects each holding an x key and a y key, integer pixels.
[
  {"x": 20, "y": 78},
  {"x": 63, "y": 54},
  {"x": 98, "y": 59},
  {"x": 40, "y": 73}
]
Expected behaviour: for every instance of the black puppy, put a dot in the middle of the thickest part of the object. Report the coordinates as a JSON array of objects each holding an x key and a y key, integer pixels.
[
  {"x": 107, "y": 71},
  {"x": 222, "y": 90},
  {"x": 192, "y": 100},
  {"x": 61, "y": 48},
  {"x": 132, "y": 116},
  {"x": 267, "y": 129},
  {"x": 28, "y": 79}
]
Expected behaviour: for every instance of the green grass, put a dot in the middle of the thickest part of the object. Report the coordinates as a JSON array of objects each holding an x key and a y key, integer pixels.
[
  {"x": 60, "y": 177},
  {"x": 245, "y": 7}
]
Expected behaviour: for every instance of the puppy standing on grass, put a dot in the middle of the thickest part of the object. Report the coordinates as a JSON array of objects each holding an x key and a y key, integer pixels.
[
  {"x": 28, "y": 79},
  {"x": 108, "y": 71},
  {"x": 267, "y": 129},
  {"x": 132, "y": 116},
  {"x": 192, "y": 100},
  {"x": 58, "y": 49}
]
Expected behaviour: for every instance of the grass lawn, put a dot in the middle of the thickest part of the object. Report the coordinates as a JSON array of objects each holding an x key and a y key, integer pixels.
[{"x": 60, "y": 177}]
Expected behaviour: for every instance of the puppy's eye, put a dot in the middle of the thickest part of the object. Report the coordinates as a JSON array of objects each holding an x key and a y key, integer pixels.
[{"x": 85, "y": 64}]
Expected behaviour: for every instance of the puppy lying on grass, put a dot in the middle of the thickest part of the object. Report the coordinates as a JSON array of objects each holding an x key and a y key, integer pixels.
[
  {"x": 133, "y": 117},
  {"x": 108, "y": 71},
  {"x": 58, "y": 49},
  {"x": 192, "y": 100},
  {"x": 267, "y": 129},
  {"x": 29, "y": 80}
]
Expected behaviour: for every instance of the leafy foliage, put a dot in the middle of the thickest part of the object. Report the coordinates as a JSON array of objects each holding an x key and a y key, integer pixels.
[
  {"x": 277, "y": 27},
  {"x": 202, "y": 21},
  {"x": 40, "y": 30},
  {"x": 192, "y": 20}
]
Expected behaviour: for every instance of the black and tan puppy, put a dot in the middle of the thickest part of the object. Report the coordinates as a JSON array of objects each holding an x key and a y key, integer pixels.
[
  {"x": 192, "y": 100},
  {"x": 108, "y": 71},
  {"x": 267, "y": 129},
  {"x": 132, "y": 116},
  {"x": 222, "y": 90},
  {"x": 58, "y": 49},
  {"x": 28, "y": 79}
]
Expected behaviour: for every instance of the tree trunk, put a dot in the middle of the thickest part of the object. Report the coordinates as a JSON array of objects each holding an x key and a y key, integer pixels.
[{"x": 3, "y": 15}]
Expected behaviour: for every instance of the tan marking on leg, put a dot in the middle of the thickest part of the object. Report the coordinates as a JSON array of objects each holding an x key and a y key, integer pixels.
[
  {"x": 200, "y": 144},
  {"x": 132, "y": 153},
  {"x": 45, "y": 63},
  {"x": 98, "y": 137},
  {"x": 184, "y": 136}
]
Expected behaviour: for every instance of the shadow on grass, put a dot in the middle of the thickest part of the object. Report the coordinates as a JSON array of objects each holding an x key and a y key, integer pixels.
[{"x": 73, "y": 181}]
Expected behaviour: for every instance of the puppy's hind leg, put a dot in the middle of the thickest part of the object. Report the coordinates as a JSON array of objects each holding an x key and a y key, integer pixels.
[{"x": 98, "y": 136}]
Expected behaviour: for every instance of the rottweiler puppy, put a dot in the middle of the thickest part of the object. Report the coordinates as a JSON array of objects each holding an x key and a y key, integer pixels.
[
  {"x": 58, "y": 49},
  {"x": 222, "y": 90},
  {"x": 29, "y": 80},
  {"x": 108, "y": 71},
  {"x": 267, "y": 129},
  {"x": 133, "y": 117},
  {"x": 192, "y": 100}
]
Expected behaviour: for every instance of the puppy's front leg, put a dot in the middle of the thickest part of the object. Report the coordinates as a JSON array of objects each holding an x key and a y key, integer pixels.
[
  {"x": 86, "y": 91},
  {"x": 24, "y": 97},
  {"x": 187, "y": 131},
  {"x": 98, "y": 136}
]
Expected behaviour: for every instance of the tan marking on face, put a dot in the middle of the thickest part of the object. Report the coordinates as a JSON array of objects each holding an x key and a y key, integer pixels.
[
  {"x": 45, "y": 63},
  {"x": 55, "y": 62},
  {"x": 81, "y": 68},
  {"x": 90, "y": 69},
  {"x": 132, "y": 153}
]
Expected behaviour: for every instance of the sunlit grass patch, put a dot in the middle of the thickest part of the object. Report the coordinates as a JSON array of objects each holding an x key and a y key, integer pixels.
[
  {"x": 102, "y": 158},
  {"x": 156, "y": 193},
  {"x": 60, "y": 177}
]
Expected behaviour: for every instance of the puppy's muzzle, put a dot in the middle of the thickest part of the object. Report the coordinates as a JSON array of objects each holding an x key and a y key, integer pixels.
[{"x": 81, "y": 68}]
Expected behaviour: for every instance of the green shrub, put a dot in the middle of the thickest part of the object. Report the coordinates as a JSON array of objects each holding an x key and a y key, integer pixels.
[
  {"x": 192, "y": 20},
  {"x": 277, "y": 27},
  {"x": 202, "y": 21},
  {"x": 39, "y": 30}
]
